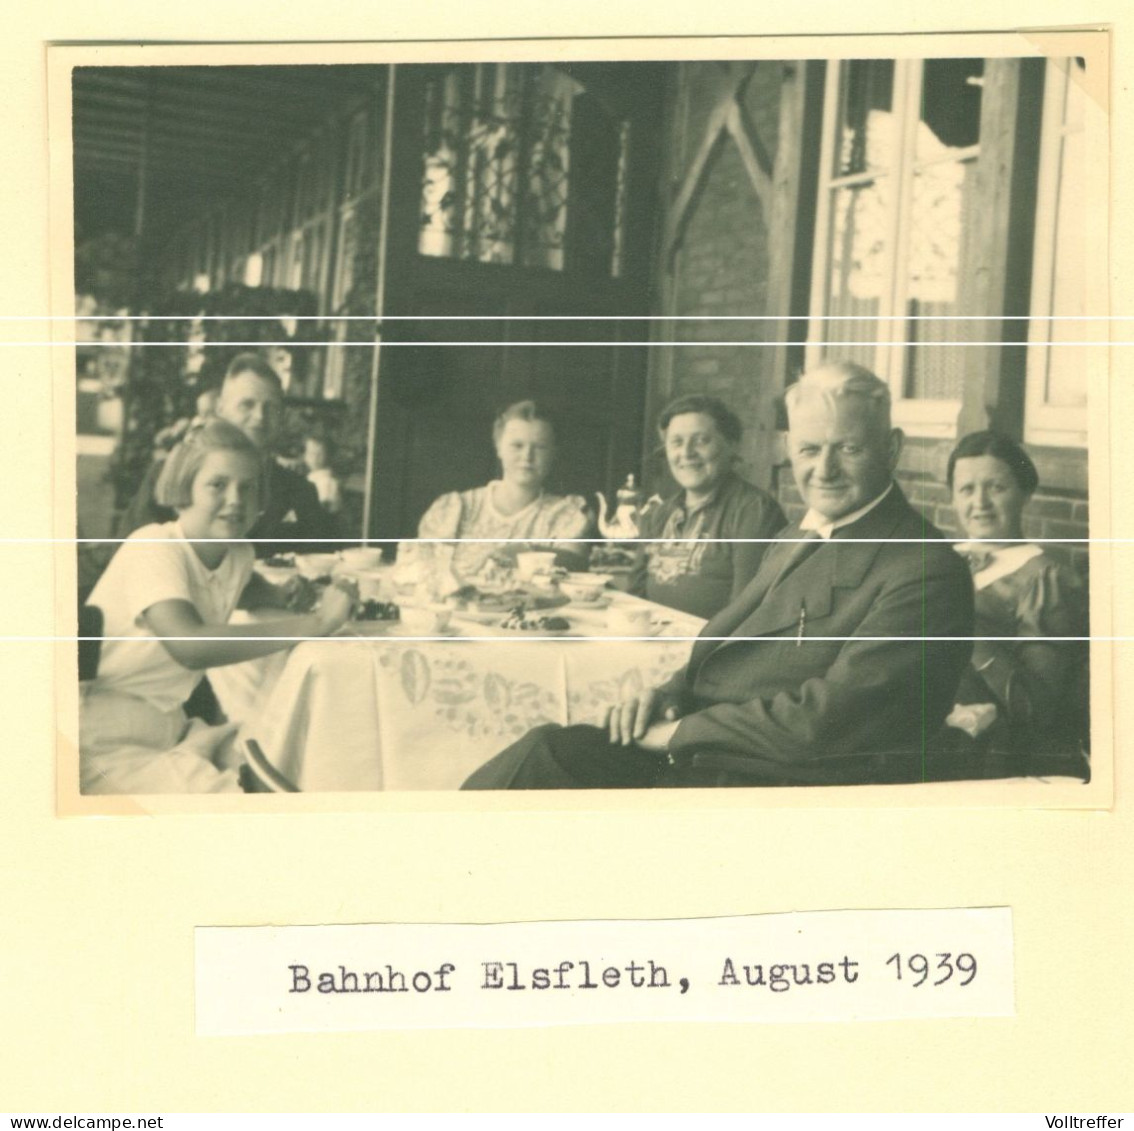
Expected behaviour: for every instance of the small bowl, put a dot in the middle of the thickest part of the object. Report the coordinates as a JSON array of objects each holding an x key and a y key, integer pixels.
[
  {"x": 315, "y": 566},
  {"x": 427, "y": 620},
  {"x": 623, "y": 621},
  {"x": 582, "y": 591},
  {"x": 361, "y": 557}
]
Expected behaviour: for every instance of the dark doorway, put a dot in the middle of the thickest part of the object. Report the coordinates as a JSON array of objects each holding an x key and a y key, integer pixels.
[{"x": 519, "y": 191}]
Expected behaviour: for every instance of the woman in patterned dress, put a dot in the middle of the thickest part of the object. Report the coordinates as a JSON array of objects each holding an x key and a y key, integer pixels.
[{"x": 508, "y": 515}]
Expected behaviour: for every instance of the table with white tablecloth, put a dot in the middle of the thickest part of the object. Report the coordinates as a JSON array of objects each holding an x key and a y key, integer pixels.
[{"x": 378, "y": 710}]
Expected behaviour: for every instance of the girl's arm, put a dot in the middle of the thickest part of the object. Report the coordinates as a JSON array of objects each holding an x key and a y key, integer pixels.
[{"x": 190, "y": 641}]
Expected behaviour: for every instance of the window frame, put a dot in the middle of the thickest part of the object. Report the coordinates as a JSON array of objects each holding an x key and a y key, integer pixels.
[
  {"x": 931, "y": 418},
  {"x": 1046, "y": 424}
]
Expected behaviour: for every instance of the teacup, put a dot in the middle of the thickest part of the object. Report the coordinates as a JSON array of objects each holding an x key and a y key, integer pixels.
[
  {"x": 534, "y": 561},
  {"x": 361, "y": 557},
  {"x": 425, "y": 620},
  {"x": 628, "y": 620},
  {"x": 314, "y": 566},
  {"x": 373, "y": 584}
]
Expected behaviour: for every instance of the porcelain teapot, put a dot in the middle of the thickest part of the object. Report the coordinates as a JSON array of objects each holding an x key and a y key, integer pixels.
[{"x": 624, "y": 524}]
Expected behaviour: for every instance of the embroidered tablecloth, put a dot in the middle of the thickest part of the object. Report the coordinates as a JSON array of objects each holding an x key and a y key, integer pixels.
[{"x": 387, "y": 712}]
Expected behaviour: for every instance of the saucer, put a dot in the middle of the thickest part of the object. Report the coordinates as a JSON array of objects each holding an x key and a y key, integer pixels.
[
  {"x": 581, "y": 606},
  {"x": 398, "y": 629}
]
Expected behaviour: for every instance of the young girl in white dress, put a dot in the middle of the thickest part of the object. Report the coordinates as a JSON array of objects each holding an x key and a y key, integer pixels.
[{"x": 166, "y": 598}]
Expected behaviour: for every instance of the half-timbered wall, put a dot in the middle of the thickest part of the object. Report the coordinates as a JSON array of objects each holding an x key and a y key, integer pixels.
[{"x": 745, "y": 162}]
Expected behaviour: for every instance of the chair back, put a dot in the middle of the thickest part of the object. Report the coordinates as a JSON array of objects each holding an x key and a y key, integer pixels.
[{"x": 90, "y": 640}]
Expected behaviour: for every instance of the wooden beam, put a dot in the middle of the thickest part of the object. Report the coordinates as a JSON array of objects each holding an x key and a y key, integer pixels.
[
  {"x": 109, "y": 160},
  {"x": 249, "y": 149},
  {"x": 783, "y": 216},
  {"x": 679, "y": 212},
  {"x": 666, "y": 274},
  {"x": 753, "y": 166},
  {"x": 199, "y": 115},
  {"x": 187, "y": 164},
  {"x": 310, "y": 84},
  {"x": 998, "y": 239},
  {"x": 175, "y": 112},
  {"x": 728, "y": 89}
]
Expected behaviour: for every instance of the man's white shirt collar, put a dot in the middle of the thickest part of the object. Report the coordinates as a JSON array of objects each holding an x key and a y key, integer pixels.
[{"x": 824, "y": 527}]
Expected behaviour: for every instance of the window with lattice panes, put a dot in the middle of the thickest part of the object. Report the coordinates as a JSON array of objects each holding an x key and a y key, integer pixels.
[
  {"x": 501, "y": 184},
  {"x": 900, "y": 146}
]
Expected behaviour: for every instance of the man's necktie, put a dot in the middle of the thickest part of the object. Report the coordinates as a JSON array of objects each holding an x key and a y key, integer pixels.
[{"x": 800, "y": 551}]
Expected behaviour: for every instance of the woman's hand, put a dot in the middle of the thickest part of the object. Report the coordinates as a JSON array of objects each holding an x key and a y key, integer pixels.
[{"x": 339, "y": 601}]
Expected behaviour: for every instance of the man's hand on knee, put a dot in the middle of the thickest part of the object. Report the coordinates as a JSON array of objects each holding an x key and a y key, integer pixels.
[
  {"x": 632, "y": 721},
  {"x": 628, "y": 721}
]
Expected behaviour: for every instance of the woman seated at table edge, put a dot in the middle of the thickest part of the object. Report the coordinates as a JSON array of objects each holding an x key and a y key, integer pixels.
[
  {"x": 515, "y": 506},
  {"x": 1037, "y": 685},
  {"x": 701, "y": 435}
]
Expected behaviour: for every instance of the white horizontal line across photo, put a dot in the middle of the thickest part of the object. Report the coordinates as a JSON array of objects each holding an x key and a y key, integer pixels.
[
  {"x": 562, "y": 318},
  {"x": 288, "y": 343}
]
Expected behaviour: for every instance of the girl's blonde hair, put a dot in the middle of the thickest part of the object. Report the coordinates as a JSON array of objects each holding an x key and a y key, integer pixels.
[{"x": 175, "y": 483}]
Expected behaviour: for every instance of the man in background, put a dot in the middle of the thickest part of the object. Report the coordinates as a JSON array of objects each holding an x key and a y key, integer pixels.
[{"x": 251, "y": 397}]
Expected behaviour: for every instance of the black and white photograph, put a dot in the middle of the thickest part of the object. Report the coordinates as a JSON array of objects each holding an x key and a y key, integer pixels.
[
  {"x": 490, "y": 422},
  {"x": 567, "y": 558}
]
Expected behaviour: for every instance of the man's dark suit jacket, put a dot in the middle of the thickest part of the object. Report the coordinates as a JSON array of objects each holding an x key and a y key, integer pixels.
[
  {"x": 826, "y": 675},
  {"x": 292, "y": 511},
  {"x": 777, "y": 701}
]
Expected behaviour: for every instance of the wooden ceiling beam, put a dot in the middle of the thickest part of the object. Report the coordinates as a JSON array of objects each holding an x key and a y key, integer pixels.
[
  {"x": 112, "y": 160},
  {"x": 185, "y": 115},
  {"x": 311, "y": 105},
  {"x": 199, "y": 138},
  {"x": 163, "y": 135}
]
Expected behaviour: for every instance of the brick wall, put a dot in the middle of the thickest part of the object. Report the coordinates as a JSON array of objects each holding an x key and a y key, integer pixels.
[
  {"x": 1050, "y": 514},
  {"x": 721, "y": 267}
]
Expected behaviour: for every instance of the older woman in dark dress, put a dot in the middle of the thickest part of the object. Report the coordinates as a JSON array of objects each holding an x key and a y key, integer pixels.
[
  {"x": 1037, "y": 684},
  {"x": 689, "y": 563}
]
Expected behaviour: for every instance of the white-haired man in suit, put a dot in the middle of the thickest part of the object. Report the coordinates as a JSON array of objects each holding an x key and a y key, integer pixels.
[{"x": 838, "y": 662}]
